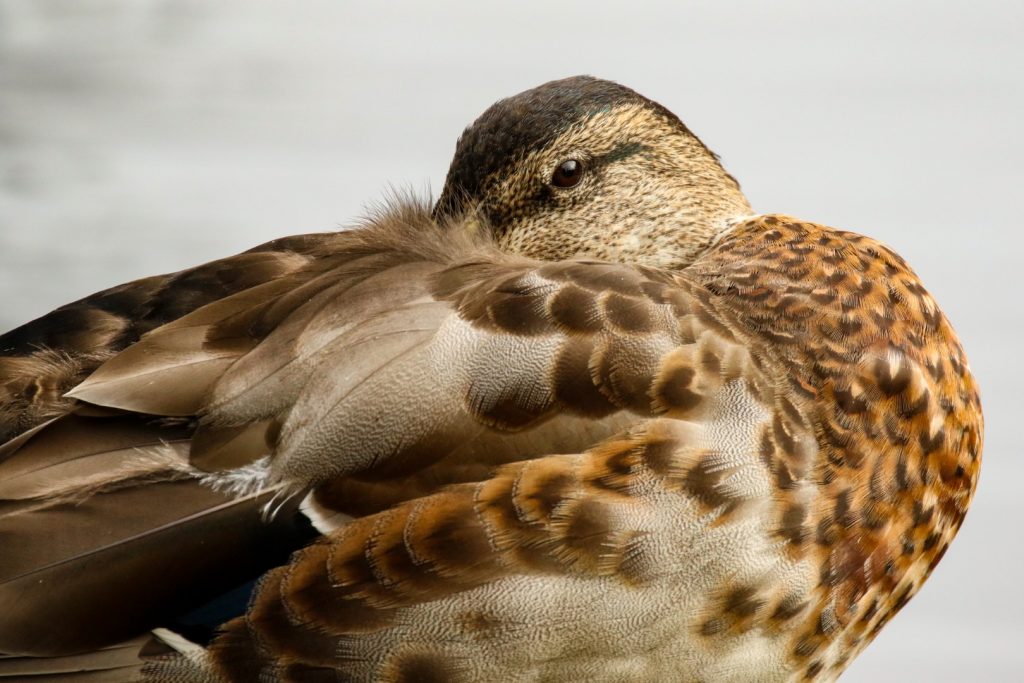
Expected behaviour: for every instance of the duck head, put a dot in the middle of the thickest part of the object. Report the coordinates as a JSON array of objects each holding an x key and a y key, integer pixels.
[{"x": 583, "y": 167}]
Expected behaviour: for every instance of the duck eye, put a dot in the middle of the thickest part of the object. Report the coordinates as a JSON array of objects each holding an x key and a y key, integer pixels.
[{"x": 568, "y": 174}]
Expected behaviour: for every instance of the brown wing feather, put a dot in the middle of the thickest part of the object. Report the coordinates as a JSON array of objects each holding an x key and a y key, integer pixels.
[
  {"x": 118, "y": 663},
  {"x": 409, "y": 363},
  {"x": 43, "y": 359},
  {"x": 100, "y": 516},
  {"x": 392, "y": 364}
]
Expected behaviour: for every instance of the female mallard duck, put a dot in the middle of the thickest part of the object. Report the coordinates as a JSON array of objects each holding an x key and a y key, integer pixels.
[{"x": 588, "y": 419}]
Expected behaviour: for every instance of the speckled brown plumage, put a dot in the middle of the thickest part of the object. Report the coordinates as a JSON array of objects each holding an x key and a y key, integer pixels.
[
  {"x": 877, "y": 378},
  {"x": 620, "y": 431}
]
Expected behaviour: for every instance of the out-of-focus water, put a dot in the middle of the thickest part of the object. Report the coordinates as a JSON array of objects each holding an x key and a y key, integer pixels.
[{"x": 143, "y": 136}]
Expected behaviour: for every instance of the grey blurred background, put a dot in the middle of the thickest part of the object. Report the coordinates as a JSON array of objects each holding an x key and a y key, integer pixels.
[{"x": 144, "y": 136}]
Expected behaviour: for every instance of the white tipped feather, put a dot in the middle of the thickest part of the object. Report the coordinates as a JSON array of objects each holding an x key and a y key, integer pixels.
[
  {"x": 177, "y": 642},
  {"x": 323, "y": 519}
]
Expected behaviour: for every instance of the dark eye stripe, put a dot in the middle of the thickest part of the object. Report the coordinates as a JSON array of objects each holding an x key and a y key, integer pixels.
[{"x": 623, "y": 151}]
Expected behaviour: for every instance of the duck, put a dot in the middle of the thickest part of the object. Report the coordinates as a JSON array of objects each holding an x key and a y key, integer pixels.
[{"x": 587, "y": 416}]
